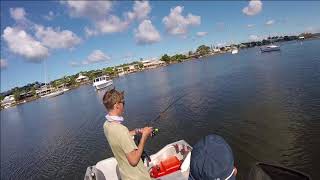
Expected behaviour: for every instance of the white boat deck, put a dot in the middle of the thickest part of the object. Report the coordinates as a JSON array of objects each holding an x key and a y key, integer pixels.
[{"x": 108, "y": 167}]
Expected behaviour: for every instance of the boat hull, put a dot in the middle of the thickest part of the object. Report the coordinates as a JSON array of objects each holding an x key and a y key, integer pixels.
[
  {"x": 53, "y": 94},
  {"x": 234, "y": 51},
  {"x": 103, "y": 85},
  {"x": 268, "y": 49}
]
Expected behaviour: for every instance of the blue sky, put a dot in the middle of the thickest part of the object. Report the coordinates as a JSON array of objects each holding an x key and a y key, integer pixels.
[{"x": 74, "y": 36}]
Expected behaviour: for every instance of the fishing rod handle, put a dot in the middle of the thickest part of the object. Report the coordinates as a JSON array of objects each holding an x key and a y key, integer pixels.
[{"x": 153, "y": 133}]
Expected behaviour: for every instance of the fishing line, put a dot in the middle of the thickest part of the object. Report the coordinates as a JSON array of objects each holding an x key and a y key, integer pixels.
[
  {"x": 166, "y": 109},
  {"x": 227, "y": 133}
]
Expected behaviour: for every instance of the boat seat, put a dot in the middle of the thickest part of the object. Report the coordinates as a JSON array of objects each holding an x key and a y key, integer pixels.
[
  {"x": 109, "y": 168},
  {"x": 93, "y": 173}
]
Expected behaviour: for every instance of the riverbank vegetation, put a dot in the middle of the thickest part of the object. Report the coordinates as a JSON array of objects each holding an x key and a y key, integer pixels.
[{"x": 28, "y": 92}]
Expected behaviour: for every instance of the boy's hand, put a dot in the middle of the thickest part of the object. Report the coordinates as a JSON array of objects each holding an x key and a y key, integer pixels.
[{"x": 146, "y": 131}]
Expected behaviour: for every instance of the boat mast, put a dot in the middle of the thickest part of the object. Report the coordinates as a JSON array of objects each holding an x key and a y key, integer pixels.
[{"x": 45, "y": 72}]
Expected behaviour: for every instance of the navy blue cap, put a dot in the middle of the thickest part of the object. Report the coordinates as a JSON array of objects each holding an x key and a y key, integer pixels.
[{"x": 211, "y": 159}]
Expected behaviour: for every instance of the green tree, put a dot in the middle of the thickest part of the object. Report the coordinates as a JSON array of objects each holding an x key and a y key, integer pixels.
[
  {"x": 33, "y": 91},
  {"x": 203, "y": 50},
  {"x": 1, "y": 97},
  {"x": 178, "y": 57},
  {"x": 109, "y": 70},
  {"x": 16, "y": 94},
  {"x": 165, "y": 58},
  {"x": 140, "y": 64}
]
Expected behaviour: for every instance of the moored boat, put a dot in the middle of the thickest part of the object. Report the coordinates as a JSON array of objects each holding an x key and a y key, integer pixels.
[
  {"x": 102, "y": 82},
  {"x": 53, "y": 94},
  {"x": 270, "y": 48},
  {"x": 234, "y": 51}
]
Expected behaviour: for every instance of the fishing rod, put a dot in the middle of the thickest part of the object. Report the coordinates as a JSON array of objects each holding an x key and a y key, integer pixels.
[
  {"x": 137, "y": 137},
  {"x": 166, "y": 109},
  {"x": 156, "y": 130}
]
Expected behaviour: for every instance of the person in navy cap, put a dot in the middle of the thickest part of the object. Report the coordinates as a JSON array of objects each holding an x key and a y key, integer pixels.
[{"x": 212, "y": 159}]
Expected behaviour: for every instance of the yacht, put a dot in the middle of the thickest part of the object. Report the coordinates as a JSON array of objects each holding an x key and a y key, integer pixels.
[
  {"x": 102, "y": 82},
  {"x": 53, "y": 94},
  {"x": 48, "y": 92},
  {"x": 270, "y": 48}
]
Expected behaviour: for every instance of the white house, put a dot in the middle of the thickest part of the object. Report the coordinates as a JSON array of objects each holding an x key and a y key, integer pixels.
[
  {"x": 120, "y": 71},
  {"x": 152, "y": 64},
  {"x": 8, "y": 101},
  {"x": 132, "y": 68},
  {"x": 82, "y": 78}
]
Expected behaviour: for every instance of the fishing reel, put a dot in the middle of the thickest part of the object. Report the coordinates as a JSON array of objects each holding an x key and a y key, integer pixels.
[
  {"x": 137, "y": 139},
  {"x": 154, "y": 132}
]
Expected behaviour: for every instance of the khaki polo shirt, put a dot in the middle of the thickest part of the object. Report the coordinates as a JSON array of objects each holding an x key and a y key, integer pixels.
[{"x": 121, "y": 143}]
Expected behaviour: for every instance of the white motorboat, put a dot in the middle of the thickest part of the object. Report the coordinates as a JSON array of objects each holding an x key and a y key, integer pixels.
[
  {"x": 172, "y": 162},
  {"x": 270, "y": 48},
  {"x": 234, "y": 51},
  {"x": 102, "y": 82},
  {"x": 48, "y": 91},
  {"x": 53, "y": 93}
]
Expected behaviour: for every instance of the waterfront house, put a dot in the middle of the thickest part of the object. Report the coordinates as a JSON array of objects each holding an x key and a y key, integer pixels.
[
  {"x": 44, "y": 90},
  {"x": 25, "y": 95},
  {"x": 147, "y": 64},
  {"x": 215, "y": 50},
  {"x": 132, "y": 68},
  {"x": 242, "y": 46},
  {"x": 120, "y": 71},
  {"x": 8, "y": 101},
  {"x": 82, "y": 78}
]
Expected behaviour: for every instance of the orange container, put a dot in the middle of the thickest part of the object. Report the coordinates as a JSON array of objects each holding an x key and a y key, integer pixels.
[{"x": 165, "y": 167}]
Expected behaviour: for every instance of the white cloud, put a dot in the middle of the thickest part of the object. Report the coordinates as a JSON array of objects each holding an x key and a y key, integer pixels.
[
  {"x": 311, "y": 29},
  {"x": 21, "y": 43},
  {"x": 103, "y": 21},
  {"x": 177, "y": 24},
  {"x": 95, "y": 57},
  {"x": 250, "y": 25},
  {"x": 253, "y": 38},
  {"x": 49, "y": 16},
  {"x": 3, "y": 64},
  {"x": 141, "y": 9},
  {"x": 270, "y": 22},
  {"x": 201, "y": 34},
  {"x": 254, "y": 7},
  {"x": 18, "y": 14},
  {"x": 56, "y": 38},
  {"x": 90, "y": 32},
  {"x": 111, "y": 25},
  {"x": 147, "y": 33},
  {"x": 74, "y": 64},
  {"x": 88, "y": 9}
]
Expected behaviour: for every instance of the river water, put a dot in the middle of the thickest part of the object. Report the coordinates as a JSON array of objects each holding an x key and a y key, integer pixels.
[{"x": 267, "y": 107}]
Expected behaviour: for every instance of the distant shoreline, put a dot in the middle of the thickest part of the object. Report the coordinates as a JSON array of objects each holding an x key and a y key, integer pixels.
[{"x": 75, "y": 86}]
